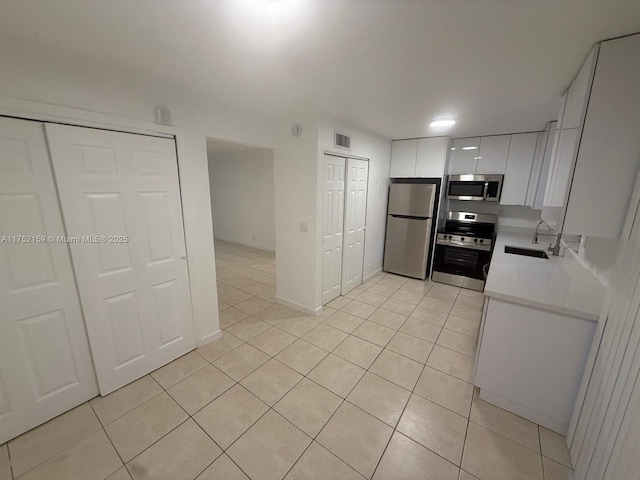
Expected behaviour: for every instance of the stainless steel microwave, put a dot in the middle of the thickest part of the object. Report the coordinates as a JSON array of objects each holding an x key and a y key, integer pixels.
[{"x": 485, "y": 188}]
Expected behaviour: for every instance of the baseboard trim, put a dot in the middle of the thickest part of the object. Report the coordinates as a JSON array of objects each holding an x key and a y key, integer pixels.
[
  {"x": 242, "y": 244},
  {"x": 525, "y": 412},
  {"x": 373, "y": 274},
  {"x": 208, "y": 338},
  {"x": 304, "y": 309}
]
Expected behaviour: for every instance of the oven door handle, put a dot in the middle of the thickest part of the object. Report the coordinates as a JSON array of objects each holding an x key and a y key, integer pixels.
[
  {"x": 485, "y": 270},
  {"x": 485, "y": 192}
]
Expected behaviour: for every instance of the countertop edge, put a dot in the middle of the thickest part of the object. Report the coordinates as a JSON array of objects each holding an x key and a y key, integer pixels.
[{"x": 543, "y": 306}]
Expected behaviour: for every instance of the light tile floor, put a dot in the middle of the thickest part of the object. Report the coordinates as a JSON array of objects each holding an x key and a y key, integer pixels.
[{"x": 376, "y": 387}]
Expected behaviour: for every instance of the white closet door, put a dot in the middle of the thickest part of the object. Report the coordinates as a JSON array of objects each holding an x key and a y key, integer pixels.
[
  {"x": 45, "y": 361},
  {"x": 354, "y": 223},
  {"x": 135, "y": 294},
  {"x": 332, "y": 227}
]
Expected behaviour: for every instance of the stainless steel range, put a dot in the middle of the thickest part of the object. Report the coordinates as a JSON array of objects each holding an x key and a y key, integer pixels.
[{"x": 463, "y": 249}]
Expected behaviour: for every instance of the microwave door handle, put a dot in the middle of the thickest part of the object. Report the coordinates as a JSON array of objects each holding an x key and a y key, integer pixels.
[{"x": 485, "y": 192}]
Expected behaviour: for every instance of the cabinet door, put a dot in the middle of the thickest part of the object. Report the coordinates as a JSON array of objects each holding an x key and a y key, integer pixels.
[
  {"x": 432, "y": 156},
  {"x": 578, "y": 93},
  {"x": 403, "y": 158},
  {"x": 493, "y": 152},
  {"x": 518, "y": 172},
  {"x": 464, "y": 153},
  {"x": 541, "y": 177},
  {"x": 609, "y": 155},
  {"x": 558, "y": 184}
]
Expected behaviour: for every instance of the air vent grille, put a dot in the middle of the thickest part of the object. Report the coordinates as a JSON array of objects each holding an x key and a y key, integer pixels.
[{"x": 342, "y": 140}]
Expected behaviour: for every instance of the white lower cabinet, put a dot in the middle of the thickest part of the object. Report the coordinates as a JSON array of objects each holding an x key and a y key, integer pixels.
[{"x": 531, "y": 361}]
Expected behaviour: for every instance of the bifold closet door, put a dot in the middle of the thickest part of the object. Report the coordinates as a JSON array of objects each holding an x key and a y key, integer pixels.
[
  {"x": 357, "y": 178},
  {"x": 120, "y": 192},
  {"x": 45, "y": 361},
  {"x": 332, "y": 227}
]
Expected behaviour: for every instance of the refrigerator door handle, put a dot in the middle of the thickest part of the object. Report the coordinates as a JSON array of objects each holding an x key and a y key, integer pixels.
[{"x": 409, "y": 217}]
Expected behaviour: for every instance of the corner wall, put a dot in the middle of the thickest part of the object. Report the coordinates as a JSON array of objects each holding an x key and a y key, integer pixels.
[{"x": 242, "y": 197}]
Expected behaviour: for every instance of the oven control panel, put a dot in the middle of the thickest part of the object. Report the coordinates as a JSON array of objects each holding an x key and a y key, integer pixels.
[{"x": 474, "y": 243}]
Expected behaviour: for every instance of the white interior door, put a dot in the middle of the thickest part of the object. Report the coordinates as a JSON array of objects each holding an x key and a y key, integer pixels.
[
  {"x": 45, "y": 361},
  {"x": 354, "y": 223},
  {"x": 134, "y": 287},
  {"x": 332, "y": 227}
]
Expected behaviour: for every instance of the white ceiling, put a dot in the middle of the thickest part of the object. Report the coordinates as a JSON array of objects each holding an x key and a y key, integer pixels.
[{"x": 391, "y": 66}]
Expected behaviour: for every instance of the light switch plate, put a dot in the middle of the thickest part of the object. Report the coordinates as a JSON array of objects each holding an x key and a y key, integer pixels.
[{"x": 303, "y": 227}]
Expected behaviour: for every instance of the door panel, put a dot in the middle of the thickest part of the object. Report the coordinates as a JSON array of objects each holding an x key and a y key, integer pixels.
[
  {"x": 411, "y": 199},
  {"x": 407, "y": 246},
  {"x": 332, "y": 229},
  {"x": 354, "y": 223},
  {"x": 134, "y": 287},
  {"x": 45, "y": 361}
]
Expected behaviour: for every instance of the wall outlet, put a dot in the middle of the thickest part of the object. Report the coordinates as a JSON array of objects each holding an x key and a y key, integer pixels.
[
  {"x": 303, "y": 227},
  {"x": 253, "y": 237}
]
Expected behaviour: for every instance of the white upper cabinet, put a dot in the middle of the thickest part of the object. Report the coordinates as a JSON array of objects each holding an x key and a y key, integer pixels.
[
  {"x": 567, "y": 138},
  {"x": 541, "y": 165},
  {"x": 559, "y": 179},
  {"x": 492, "y": 154},
  {"x": 431, "y": 157},
  {"x": 518, "y": 171},
  {"x": 464, "y": 155},
  {"x": 403, "y": 158},
  {"x": 578, "y": 93},
  {"x": 608, "y": 158}
]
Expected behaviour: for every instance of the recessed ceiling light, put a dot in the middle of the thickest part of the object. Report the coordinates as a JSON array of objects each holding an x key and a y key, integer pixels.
[
  {"x": 453, "y": 148},
  {"x": 469, "y": 148},
  {"x": 477, "y": 158},
  {"x": 443, "y": 122}
]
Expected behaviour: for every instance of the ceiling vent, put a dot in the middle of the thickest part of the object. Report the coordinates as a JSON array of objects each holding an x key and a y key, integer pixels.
[{"x": 342, "y": 140}]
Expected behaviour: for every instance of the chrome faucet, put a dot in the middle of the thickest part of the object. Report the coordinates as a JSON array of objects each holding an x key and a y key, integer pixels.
[{"x": 535, "y": 235}]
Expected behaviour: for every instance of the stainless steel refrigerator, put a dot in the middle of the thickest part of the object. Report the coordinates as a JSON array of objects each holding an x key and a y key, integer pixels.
[{"x": 409, "y": 220}]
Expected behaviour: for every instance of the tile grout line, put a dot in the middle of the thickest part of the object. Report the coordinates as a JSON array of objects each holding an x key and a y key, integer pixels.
[
  {"x": 395, "y": 429},
  {"x": 367, "y": 370}
]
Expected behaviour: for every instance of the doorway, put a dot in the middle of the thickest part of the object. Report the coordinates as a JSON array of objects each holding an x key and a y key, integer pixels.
[{"x": 241, "y": 179}]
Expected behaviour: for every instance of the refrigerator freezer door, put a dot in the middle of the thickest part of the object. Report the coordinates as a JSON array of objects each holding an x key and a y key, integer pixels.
[
  {"x": 412, "y": 199},
  {"x": 407, "y": 246}
]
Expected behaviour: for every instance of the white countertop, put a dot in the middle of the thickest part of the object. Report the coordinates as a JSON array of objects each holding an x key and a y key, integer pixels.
[{"x": 558, "y": 284}]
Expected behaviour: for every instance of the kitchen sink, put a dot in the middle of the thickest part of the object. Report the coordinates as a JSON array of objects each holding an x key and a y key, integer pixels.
[{"x": 527, "y": 252}]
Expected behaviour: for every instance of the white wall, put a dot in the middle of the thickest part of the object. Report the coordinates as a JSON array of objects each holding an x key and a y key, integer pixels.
[
  {"x": 242, "y": 197},
  {"x": 295, "y": 167},
  {"x": 598, "y": 254},
  {"x": 377, "y": 149},
  {"x": 90, "y": 93},
  {"x": 298, "y": 196}
]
